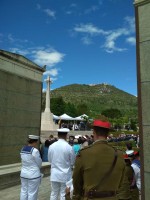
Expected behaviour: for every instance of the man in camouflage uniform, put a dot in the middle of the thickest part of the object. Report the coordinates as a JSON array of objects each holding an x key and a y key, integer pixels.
[{"x": 99, "y": 169}]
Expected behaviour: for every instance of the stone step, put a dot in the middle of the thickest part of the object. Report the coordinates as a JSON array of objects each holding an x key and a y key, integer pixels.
[{"x": 10, "y": 174}]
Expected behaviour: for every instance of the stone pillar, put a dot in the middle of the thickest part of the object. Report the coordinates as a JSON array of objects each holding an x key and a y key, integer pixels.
[
  {"x": 20, "y": 104},
  {"x": 47, "y": 123},
  {"x": 142, "y": 16},
  {"x": 47, "y": 105}
]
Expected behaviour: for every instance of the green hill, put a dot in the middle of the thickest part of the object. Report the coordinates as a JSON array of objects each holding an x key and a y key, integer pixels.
[{"x": 98, "y": 97}]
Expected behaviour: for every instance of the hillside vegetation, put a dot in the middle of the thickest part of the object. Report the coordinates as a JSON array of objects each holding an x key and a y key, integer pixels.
[{"x": 98, "y": 98}]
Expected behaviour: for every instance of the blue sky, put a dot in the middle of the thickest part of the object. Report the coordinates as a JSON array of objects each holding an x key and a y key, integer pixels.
[{"x": 80, "y": 41}]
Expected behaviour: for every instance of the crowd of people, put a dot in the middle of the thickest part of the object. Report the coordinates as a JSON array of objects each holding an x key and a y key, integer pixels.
[
  {"x": 73, "y": 126},
  {"x": 82, "y": 167},
  {"x": 124, "y": 137}
]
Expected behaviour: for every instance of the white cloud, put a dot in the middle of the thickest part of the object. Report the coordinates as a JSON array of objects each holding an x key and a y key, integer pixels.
[
  {"x": 90, "y": 29},
  {"x": 52, "y": 72},
  {"x": 110, "y": 36},
  {"x": 68, "y": 12},
  {"x": 86, "y": 40},
  {"x": 49, "y": 12},
  {"x": 70, "y": 9},
  {"x": 44, "y": 90},
  {"x": 112, "y": 48},
  {"x": 43, "y": 56},
  {"x": 23, "y": 52},
  {"x": 131, "y": 40},
  {"x": 110, "y": 45},
  {"x": 53, "y": 79},
  {"x": 130, "y": 24},
  {"x": 48, "y": 57},
  {"x": 91, "y": 9},
  {"x": 73, "y": 5},
  {"x": 10, "y": 38}
]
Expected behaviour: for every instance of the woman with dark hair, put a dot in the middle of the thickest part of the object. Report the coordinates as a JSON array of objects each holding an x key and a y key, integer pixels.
[
  {"x": 45, "y": 151},
  {"x": 30, "y": 171}
]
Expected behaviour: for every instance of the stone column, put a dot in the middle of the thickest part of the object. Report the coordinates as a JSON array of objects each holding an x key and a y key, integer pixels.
[
  {"x": 47, "y": 123},
  {"x": 20, "y": 104},
  {"x": 142, "y": 16},
  {"x": 47, "y": 105}
]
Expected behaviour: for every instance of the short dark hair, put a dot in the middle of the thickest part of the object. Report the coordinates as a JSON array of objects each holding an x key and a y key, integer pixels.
[
  {"x": 31, "y": 141},
  {"x": 47, "y": 143},
  {"x": 100, "y": 131},
  {"x": 129, "y": 145},
  {"x": 62, "y": 134}
]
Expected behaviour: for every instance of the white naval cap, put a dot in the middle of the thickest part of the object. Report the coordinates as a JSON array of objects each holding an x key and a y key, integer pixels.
[
  {"x": 129, "y": 152},
  {"x": 34, "y": 137},
  {"x": 63, "y": 130}
]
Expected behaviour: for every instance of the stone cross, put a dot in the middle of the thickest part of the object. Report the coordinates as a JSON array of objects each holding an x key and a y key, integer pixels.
[{"x": 47, "y": 105}]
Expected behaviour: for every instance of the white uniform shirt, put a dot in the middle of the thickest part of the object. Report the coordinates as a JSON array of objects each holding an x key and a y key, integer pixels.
[
  {"x": 61, "y": 157},
  {"x": 137, "y": 175},
  {"x": 31, "y": 162}
]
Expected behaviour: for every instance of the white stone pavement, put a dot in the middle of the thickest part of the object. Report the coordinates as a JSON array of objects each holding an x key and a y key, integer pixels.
[{"x": 13, "y": 193}]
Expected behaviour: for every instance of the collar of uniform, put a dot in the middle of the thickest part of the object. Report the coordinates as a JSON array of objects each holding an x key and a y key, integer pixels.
[
  {"x": 60, "y": 139},
  {"x": 104, "y": 140}
]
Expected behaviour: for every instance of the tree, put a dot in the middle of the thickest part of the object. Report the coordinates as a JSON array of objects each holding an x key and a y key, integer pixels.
[
  {"x": 112, "y": 113},
  {"x": 82, "y": 109},
  {"x": 58, "y": 106},
  {"x": 70, "y": 109},
  {"x": 133, "y": 125}
]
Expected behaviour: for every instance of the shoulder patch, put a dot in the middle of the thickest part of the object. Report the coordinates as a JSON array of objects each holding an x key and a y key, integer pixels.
[{"x": 85, "y": 148}]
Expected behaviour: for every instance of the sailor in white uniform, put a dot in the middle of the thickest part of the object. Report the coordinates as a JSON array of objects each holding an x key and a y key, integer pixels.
[
  {"x": 136, "y": 167},
  {"x": 61, "y": 157},
  {"x": 30, "y": 171},
  {"x": 135, "y": 156}
]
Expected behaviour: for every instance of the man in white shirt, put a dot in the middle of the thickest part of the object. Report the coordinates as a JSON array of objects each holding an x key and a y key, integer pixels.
[{"x": 61, "y": 157}]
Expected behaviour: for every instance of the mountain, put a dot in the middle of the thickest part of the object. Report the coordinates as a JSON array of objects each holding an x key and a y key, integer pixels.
[{"x": 98, "y": 97}]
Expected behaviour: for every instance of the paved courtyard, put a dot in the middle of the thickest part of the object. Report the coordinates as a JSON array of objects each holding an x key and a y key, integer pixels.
[{"x": 13, "y": 193}]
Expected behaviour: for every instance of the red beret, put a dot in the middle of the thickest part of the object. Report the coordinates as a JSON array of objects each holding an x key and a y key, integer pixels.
[{"x": 102, "y": 124}]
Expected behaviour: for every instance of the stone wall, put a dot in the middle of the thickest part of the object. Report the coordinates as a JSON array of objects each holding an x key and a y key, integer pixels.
[
  {"x": 20, "y": 108},
  {"x": 142, "y": 15}
]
